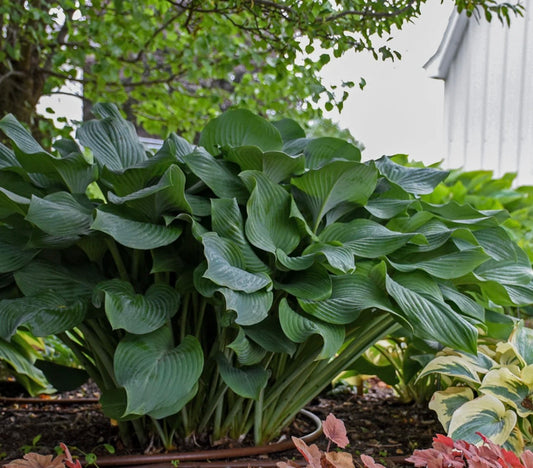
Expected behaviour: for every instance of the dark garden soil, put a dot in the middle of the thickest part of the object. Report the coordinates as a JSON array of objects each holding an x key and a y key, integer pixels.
[{"x": 377, "y": 424}]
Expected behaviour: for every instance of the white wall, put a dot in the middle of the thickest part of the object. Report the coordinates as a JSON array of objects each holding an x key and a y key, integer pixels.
[{"x": 489, "y": 99}]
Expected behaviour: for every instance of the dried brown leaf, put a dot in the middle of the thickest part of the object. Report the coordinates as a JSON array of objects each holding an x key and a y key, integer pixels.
[
  {"x": 340, "y": 459},
  {"x": 35, "y": 460},
  {"x": 335, "y": 431}
]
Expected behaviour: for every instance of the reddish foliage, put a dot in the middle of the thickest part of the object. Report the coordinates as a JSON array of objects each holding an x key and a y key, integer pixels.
[{"x": 335, "y": 431}]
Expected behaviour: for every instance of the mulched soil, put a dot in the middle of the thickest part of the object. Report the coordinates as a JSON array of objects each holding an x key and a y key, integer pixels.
[{"x": 377, "y": 424}]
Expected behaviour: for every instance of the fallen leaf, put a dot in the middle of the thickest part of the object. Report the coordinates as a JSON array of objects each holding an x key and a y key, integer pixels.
[
  {"x": 340, "y": 459},
  {"x": 369, "y": 462},
  {"x": 35, "y": 460}
]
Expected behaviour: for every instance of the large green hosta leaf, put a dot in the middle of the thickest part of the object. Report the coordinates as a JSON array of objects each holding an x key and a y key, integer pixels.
[
  {"x": 446, "y": 266},
  {"x": 244, "y": 381},
  {"x": 112, "y": 139},
  {"x": 13, "y": 254},
  {"x": 156, "y": 374},
  {"x": 431, "y": 318},
  {"x": 413, "y": 180},
  {"x": 167, "y": 196},
  {"x": 313, "y": 283},
  {"x": 251, "y": 308},
  {"x": 336, "y": 183},
  {"x": 225, "y": 265},
  {"x": 60, "y": 214},
  {"x": 216, "y": 174},
  {"x": 226, "y": 221},
  {"x": 351, "y": 294},
  {"x": 320, "y": 151},
  {"x": 298, "y": 328},
  {"x": 269, "y": 226},
  {"x": 248, "y": 353},
  {"x": 276, "y": 165},
  {"x": 240, "y": 128},
  {"x": 69, "y": 283},
  {"x": 135, "y": 234},
  {"x": 365, "y": 238},
  {"x": 139, "y": 314}
]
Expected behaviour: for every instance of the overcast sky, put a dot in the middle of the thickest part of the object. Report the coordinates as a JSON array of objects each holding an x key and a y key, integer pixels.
[{"x": 401, "y": 109}]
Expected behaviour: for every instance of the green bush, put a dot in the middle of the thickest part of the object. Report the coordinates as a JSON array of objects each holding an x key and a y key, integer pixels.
[{"x": 219, "y": 288}]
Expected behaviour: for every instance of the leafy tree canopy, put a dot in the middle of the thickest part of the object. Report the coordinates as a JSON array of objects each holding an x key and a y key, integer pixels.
[{"x": 177, "y": 62}]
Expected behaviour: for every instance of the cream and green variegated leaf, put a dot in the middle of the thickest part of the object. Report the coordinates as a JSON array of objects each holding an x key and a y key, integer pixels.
[
  {"x": 226, "y": 265},
  {"x": 156, "y": 373},
  {"x": 298, "y": 328},
  {"x": 522, "y": 338},
  {"x": 248, "y": 353},
  {"x": 138, "y": 313},
  {"x": 485, "y": 414},
  {"x": 446, "y": 402},
  {"x": 247, "y": 381},
  {"x": 268, "y": 225},
  {"x": 460, "y": 366},
  {"x": 515, "y": 390},
  {"x": 508, "y": 355}
]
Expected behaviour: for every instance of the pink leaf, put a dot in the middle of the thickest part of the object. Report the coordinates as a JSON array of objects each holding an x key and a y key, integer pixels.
[
  {"x": 527, "y": 459},
  {"x": 312, "y": 454},
  {"x": 335, "y": 431},
  {"x": 370, "y": 463}
]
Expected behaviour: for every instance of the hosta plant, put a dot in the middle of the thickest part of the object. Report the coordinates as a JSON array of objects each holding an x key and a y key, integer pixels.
[
  {"x": 216, "y": 289},
  {"x": 489, "y": 393}
]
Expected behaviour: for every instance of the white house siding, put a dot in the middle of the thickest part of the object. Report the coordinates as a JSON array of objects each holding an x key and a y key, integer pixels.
[{"x": 488, "y": 73}]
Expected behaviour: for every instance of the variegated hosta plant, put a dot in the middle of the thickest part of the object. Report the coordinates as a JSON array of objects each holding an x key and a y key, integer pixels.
[
  {"x": 216, "y": 289},
  {"x": 491, "y": 393}
]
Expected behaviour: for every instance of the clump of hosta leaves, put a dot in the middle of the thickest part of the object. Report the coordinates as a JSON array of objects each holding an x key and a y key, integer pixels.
[
  {"x": 217, "y": 288},
  {"x": 489, "y": 393}
]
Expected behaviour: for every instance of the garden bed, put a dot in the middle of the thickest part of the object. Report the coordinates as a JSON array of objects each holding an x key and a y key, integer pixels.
[{"x": 377, "y": 424}]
